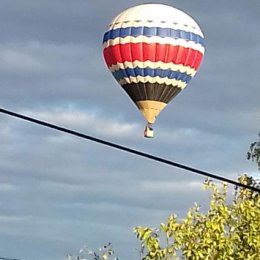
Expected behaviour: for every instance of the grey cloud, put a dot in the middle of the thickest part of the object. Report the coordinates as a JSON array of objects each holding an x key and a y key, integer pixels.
[{"x": 59, "y": 192}]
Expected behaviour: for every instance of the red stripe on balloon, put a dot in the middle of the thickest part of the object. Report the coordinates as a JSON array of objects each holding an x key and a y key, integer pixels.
[{"x": 153, "y": 52}]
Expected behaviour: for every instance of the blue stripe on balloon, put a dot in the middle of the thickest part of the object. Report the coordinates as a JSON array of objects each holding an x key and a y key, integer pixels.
[
  {"x": 129, "y": 72},
  {"x": 153, "y": 31}
]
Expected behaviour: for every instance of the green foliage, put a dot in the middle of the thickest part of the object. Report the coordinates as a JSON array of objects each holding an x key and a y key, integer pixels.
[
  {"x": 254, "y": 153},
  {"x": 225, "y": 232},
  {"x": 105, "y": 252}
]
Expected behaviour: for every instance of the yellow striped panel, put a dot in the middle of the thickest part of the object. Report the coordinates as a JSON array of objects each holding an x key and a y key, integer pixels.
[{"x": 150, "y": 109}]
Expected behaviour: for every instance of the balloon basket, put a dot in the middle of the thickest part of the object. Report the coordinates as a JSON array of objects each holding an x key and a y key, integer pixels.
[{"x": 148, "y": 131}]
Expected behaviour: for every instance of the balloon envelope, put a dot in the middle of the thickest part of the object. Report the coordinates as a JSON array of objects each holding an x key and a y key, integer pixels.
[{"x": 153, "y": 51}]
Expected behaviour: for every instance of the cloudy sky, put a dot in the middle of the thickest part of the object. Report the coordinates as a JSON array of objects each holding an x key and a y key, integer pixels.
[{"x": 59, "y": 192}]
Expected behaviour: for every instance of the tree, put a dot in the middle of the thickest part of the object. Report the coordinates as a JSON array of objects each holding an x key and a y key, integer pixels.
[
  {"x": 105, "y": 252},
  {"x": 225, "y": 232},
  {"x": 254, "y": 152}
]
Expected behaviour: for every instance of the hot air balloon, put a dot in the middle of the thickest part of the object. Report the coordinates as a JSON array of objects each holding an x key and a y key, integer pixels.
[{"x": 153, "y": 51}]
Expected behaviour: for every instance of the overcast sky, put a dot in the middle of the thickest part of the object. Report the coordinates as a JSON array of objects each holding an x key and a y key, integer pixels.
[{"x": 59, "y": 192}]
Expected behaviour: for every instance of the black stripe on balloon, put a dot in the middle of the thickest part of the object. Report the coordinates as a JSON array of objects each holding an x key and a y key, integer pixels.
[{"x": 151, "y": 91}]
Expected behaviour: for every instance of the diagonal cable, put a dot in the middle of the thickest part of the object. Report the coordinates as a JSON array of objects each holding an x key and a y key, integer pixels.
[
  {"x": 129, "y": 150},
  {"x": 4, "y": 258}
]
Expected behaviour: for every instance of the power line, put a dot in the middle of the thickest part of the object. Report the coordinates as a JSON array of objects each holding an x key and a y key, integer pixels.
[
  {"x": 3, "y": 258},
  {"x": 126, "y": 149}
]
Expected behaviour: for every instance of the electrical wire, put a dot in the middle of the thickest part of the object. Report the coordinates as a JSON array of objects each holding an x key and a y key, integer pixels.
[
  {"x": 3, "y": 258},
  {"x": 129, "y": 150}
]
